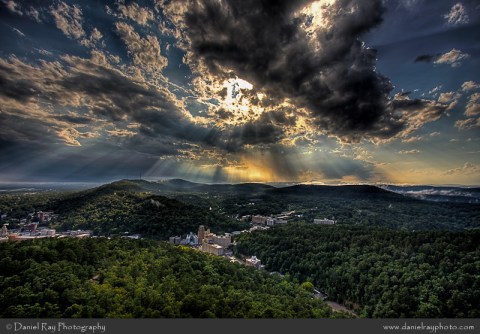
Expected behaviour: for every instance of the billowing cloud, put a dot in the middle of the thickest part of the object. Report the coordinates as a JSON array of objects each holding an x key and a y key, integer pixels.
[
  {"x": 473, "y": 105},
  {"x": 470, "y": 85},
  {"x": 472, "y": 112},
  {"x": 69, "y": 19},
  {"x": 12, "y": 6},
  {"x": 33, "y": 13},
  {"x": 453, "y": 57},
  {"x": 467, "y": 124},
  {"x": 97, "y": 92},
  {"x": 325, "y": 69},
  {"x": 418, "y": 112},
  {"x": 234, "y": 90},
  {"x": 145, "y": 52},
  {"x": 136, "y": 13},
  {"x": 467, "y": 168},
  {"x": 457, "y": 15},
  {"x": 450, "y": 98}
]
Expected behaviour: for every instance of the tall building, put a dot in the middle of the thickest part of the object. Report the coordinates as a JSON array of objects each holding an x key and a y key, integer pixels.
[
  {"x": 201, "y": 234},
  {"x": 224, "y": 240},
  {"x": 212, "y": 249},
  {"x": 41, "y": 216},
  {"x": 4, "y": 231}
]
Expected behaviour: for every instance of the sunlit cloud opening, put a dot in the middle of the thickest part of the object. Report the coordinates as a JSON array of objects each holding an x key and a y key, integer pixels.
[
  {"x": 239, "y": 102},
  {"x": 314, "y": 13},
  {"x": 234, "y": 89}
]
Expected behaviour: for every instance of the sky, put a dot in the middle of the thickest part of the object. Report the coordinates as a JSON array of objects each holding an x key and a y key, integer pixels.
[{"x": 328, "y": 92}]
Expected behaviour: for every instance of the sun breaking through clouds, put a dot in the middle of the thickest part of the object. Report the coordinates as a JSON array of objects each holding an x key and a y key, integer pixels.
[{"x": 234, "y": 91}]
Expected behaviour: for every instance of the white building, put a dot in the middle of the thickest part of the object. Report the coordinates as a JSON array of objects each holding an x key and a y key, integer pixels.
[
  {"x": 275, "y": 221},
  {"x": 324, "y": 221}
]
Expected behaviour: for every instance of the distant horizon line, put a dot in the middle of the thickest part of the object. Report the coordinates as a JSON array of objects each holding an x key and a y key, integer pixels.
[{"x": 317, "y": 183}]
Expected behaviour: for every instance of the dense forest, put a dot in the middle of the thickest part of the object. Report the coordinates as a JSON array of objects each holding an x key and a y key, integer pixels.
[
  {"x": 359, "y": 205},
  {"x": 388, "y": 256},
  {"x": 118, "y": 278},
  {"x": 378, "y": 272}
]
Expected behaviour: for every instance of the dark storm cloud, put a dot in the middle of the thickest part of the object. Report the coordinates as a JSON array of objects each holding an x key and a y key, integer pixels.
[
  {"x": 268, "y": 129},
  {"x": 31, "y": 132},
  {"x": 253, "y": 133},
  {"x": 120, "y": 94},
  {"x": 153, "y": 109},
  {"x": 261, "y": 43},
  {"x": 104, "y": 91},
  {"x": 20, "y": 90}
]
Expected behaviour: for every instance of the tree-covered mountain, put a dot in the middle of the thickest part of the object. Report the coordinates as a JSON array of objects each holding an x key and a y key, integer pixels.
[
  {"x": 125, "y": 206},
  {"x": 379, "y": 272},
  {"x": 118, "y": 278},
  {"x": 177, "y": 206}
]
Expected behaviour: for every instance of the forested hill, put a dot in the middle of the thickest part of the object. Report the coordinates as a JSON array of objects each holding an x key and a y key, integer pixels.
[
  {"x": 380, "y": 272},
  {"x": 344, "y": 192},
  {"x": 125, "y": 207},
  {"x": 118, "y": 278},
  {"x": 164, "y": 208}
]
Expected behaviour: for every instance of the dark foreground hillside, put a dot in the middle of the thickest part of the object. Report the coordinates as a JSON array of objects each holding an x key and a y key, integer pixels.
[
  {"x": 379, "y": 272},
  {"x": 101, "y": 278}
]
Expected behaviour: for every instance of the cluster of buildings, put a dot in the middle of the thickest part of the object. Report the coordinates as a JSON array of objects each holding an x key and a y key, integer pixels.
[
  {"x": 34, "y": 217},
  {"x": 27, "y": 232},
  {"x": 205, "y": 241},
  {"x": 190, "y": 240},
  {"x": 29, "y": 228},
  {"x": 31, "y": 231},
  {"x": 279, "y": 219},
  {"x": 283, "y": 218},
  {"x": 219, "y": 245}
]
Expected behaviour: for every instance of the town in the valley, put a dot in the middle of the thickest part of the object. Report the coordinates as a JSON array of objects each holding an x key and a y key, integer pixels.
[
  {"x": 36, "y": 226},
  {"x": 221, "y": 245}
]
